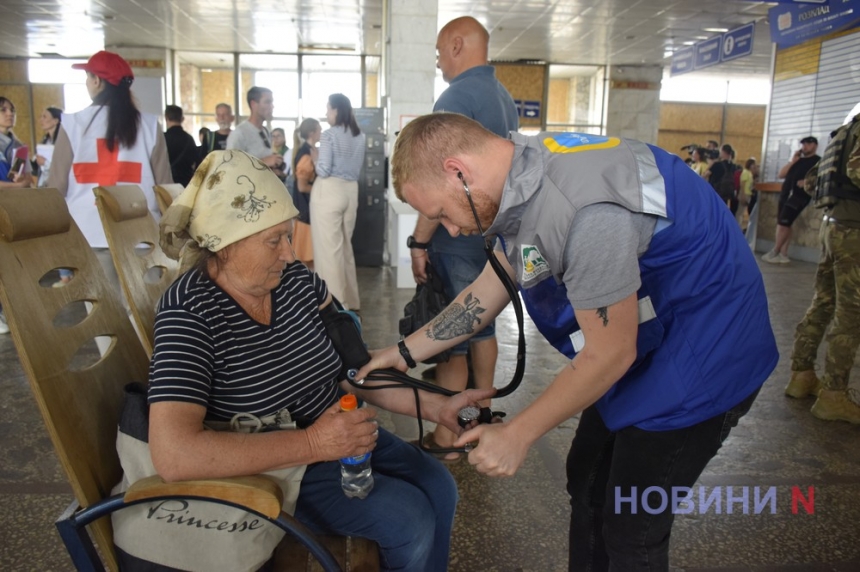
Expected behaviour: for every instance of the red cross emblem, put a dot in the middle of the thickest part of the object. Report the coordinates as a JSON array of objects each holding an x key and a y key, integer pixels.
[{"x": 107, "y": 170}]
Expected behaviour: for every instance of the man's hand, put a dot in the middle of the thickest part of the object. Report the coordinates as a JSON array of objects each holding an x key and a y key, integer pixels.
[
  {"x": 274, "y": 160},
  {"x": 447, "y": 413},
  {"x": 419, "y": 264},
  {"x": 500, "y": 451},
  {"x": 382, "y": 359}
]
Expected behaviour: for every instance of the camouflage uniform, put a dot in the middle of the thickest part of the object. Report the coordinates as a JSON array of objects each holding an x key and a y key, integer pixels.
[{"x": 837, "y": 285}]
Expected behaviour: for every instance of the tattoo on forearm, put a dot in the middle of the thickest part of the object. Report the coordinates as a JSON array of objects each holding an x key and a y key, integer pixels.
[
  {"x": 603, "y": 313},
  {"x": 456, "y": 320}
]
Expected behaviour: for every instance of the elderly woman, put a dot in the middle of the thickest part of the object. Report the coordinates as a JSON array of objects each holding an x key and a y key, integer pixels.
[{"x": 241, "y": 334}]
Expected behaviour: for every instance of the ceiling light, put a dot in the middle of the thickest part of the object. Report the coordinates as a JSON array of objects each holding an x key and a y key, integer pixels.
[{"x": 715, "y": 30}]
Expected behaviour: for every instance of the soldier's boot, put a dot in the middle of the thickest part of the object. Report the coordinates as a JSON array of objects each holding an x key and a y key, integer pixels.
[
  {"x": 837, "y": 406},
  {"x": 803, "y": 384}
]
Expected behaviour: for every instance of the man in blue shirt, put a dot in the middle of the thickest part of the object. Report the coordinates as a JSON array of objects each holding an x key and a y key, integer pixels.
[{"x": 474, "y": 91}]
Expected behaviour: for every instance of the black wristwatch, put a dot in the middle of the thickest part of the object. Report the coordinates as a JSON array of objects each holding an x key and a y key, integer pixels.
[{"x": 412, "y": 243}]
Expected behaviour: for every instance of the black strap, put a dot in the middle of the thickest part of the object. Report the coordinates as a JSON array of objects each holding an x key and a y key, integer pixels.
[{"x": 404, "y": 351}]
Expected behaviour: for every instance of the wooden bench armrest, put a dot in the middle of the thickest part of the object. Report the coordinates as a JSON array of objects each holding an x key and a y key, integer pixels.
[{"x": 258, "y": 493}]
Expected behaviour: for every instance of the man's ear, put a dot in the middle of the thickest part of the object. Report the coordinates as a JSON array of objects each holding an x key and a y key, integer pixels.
[
  {"x": 457, "y": 46},
  {"x": 453, "y": 166}
]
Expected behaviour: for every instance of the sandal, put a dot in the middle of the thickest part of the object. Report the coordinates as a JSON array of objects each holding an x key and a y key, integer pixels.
[{"x": 429, "y": 442}]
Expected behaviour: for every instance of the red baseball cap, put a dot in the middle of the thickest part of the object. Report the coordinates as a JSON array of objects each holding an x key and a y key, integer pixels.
[{"x": 108, "y": 66}]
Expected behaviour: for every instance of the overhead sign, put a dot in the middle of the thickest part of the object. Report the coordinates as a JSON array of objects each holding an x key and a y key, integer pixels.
[
  {"x": 728, "y": 46},
  {"x": 682, "y": 60},
  {"x": 737, "y": 43},
  {"x": 708, "y": 53},
  {"x": 531, "y": 109},
  {"x": 794, "y": 24}
]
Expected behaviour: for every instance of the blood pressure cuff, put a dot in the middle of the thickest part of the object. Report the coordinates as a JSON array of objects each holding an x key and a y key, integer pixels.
[{"x": 344, "y": 330}]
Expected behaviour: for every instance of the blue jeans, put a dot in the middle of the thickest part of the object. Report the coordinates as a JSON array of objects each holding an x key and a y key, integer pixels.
[
  {"x": 409, "y": 512},
  {"x": 457, "y": 271},
  {"x": 600, "y": 460}
]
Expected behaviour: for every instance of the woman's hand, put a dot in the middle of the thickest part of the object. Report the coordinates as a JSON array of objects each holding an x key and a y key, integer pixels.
[
  {"x": 337, "y": 434},
  {"x": 40, "y": 160},
  {"x": 20, "y": 180}
]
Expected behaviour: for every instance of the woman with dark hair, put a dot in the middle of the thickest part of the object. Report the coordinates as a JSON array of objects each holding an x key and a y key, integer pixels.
[
  {"x": 334, "y": 202},
  {"x": 109, "y": 143},
  {"x": 13, "y": 175},
  {"x": 305, "y": 155},
  {"x": 700, "y": 161},
  {"x": 49, "y": 123}
]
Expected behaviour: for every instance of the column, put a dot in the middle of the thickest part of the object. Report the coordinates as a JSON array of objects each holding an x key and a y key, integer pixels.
[
  {"x": 409, "y": 61},
  {"x": 633, "y": 102}
]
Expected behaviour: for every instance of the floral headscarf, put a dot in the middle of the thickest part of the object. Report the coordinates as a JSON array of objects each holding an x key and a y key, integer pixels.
[{"x": 231, "y": 196}]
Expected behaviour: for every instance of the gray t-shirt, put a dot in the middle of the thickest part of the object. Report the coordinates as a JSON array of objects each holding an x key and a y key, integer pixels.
[
  {"x": 601, "y": 258},
  {"x": 246, "y": 137}
]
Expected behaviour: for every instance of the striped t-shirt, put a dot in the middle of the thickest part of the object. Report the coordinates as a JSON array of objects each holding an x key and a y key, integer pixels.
[
  {"x": 341, "y": 154},
  {"x": 209, "y": 351}
]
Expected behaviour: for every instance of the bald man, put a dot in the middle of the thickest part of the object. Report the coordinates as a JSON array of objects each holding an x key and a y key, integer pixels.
[{"x": 474, "y": 91}]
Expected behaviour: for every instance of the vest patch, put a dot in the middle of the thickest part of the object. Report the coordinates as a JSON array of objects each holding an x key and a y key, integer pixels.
[
  {"x": 576, "y": 142},
  {"x": 534, "y": 264}
]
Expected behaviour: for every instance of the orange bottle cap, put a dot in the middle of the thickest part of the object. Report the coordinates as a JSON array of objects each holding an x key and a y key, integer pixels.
[{"x": 348, "y": 402}]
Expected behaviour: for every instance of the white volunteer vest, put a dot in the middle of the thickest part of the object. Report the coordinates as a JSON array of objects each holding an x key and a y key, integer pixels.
[{"x": 93, "y": 165}]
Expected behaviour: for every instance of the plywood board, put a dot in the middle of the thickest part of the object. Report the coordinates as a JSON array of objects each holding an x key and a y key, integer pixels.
[
  {"x": 745, "y": 120},
  {"x": 524, "y": 82},
  {"x": 694, "y": 117},
  {"x": 13, "y": 71}
]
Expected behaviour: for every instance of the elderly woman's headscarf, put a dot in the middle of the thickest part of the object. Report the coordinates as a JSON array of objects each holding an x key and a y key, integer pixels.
[{"x": 231, "y": 196}]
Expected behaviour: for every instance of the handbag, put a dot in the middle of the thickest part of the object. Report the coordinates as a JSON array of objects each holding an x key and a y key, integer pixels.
[
  {"x": 185, "y": 534},
  {"x": 429, "y": 300}
]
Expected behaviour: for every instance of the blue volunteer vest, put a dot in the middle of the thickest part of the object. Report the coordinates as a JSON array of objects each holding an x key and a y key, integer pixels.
[{"x": 705, "y": 341}]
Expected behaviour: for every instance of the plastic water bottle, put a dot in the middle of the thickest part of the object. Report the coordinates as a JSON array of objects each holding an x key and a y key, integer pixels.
[{"x": 356, "y": 478}]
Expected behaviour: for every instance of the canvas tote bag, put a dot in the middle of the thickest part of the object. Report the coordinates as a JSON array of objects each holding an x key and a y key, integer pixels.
[{"x": 180, "y": 534}]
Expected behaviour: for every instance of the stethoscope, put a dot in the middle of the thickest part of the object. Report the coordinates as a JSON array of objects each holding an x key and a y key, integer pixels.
[{"x": 470, "y": 414}]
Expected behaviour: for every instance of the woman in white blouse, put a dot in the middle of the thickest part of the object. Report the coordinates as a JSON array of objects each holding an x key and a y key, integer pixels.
[{"x": 334, "y": 201}]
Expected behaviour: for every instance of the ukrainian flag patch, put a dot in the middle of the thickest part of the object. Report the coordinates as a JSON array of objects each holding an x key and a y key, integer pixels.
[{"x": 576, "y": 142}]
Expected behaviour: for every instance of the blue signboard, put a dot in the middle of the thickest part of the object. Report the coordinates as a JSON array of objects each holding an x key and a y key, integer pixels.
[
  {"x": 682, "y": 60},
  {"x": 729, "y": 46},
  {"x": 708, "y": 53},
  {"x": 519, "y": 104},
  {"x": 794, "y": 24},
  {"x": 737, "y": 43},
  {"x": 531, "y": 109}
]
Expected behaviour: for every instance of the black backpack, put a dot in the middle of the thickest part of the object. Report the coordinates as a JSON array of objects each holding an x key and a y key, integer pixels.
[
  {"x": 428, "y": 302},
  {"x": 725, "y": 187}
]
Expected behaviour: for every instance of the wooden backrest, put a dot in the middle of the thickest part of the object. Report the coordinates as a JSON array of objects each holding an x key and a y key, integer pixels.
[
  {"x": 80, "y": 408},
  {"x": 165, "y": 194},
  {"x": 145, "y": 273}
]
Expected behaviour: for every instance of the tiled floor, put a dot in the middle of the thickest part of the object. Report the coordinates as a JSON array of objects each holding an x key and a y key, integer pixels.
[{"x": 520, "y": 524}]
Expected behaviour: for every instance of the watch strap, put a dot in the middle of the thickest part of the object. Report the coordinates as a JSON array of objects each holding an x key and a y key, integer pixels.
[
  {"x": 404, "y": 351},
  {"x": 412, "y": 243}
]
